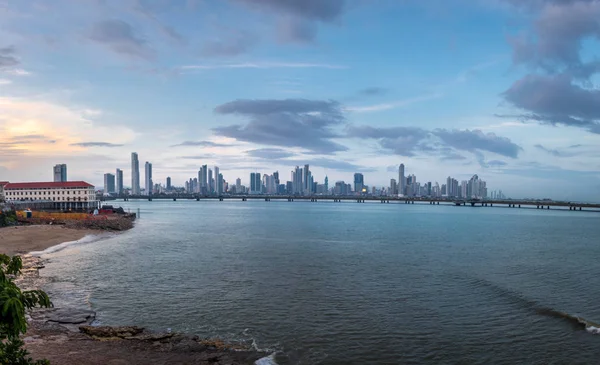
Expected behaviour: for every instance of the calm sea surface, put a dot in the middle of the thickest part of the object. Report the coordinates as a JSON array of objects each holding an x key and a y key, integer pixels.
[{"x": 348, "y": 283}]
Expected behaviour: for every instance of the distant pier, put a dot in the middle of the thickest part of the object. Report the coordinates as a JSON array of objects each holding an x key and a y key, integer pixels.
[{"x": 509, "y": 203}]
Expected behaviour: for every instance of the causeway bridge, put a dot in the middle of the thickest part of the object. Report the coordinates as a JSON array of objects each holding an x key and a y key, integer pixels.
[{"x": 510, "y": 203}]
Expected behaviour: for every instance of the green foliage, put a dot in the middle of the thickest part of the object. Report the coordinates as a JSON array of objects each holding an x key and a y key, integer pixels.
[
  {"x": 8, "y": 218},
  {"x": 13, "y": 303}
]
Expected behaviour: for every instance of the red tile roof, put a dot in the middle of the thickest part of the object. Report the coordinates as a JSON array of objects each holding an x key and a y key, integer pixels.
[
  {"x": 2, "y": 183},
  {"x": 41, "y": 185}
]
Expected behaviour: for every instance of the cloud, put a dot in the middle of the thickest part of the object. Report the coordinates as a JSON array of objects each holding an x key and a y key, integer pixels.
[
  {"x": 392, "y": 105},
  {"x": 477, "y": 140},
  {"x": 207, "y": 156},
  {"x": 120, "y": 38},
  {"x": 289, "y": 122},
  {"x": 335, "y": 164},
  {"x": 555, "y": 99},
  {"x": 270, "y": 153},
  {"x": 496, "y": 163},
  {"x": 201, "y": 144},
  {"x": 558, "y": 153},
  {"x": 407, "y": 141},
  {"x": 562, "y": 92},
  {"x": 233, "y": 46},
  {"x": 166, "y": 30},
  {"x": 95, "y": 144},
  {"x": 557, "y": 33},
  {"x": 373, "y": 91},
  {"x": 7, "y": 57},
  {"x": 298, "y": 20},
  {"x": 5, "y": 82},
  {"x": 403, "y": 141},
  {"x": 261, "y": 65},
  {"x": 322, "y": 10}
]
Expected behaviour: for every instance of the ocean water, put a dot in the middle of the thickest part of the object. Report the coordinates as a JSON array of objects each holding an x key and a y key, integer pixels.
[{"x": 348, "y": 283}]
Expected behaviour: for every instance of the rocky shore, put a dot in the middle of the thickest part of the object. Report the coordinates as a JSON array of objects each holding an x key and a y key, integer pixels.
[{"x": 66, "y": 336}]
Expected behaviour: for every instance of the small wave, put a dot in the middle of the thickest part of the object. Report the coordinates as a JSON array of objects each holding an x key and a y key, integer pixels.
[
  {"x": 532, "y": 305},
  {"x": 61, "y": 246},
  {"x": 269, "y": 360}
]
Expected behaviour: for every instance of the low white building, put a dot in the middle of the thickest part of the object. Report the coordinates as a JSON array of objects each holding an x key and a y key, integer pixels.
[{"x": 63, "y": 195}]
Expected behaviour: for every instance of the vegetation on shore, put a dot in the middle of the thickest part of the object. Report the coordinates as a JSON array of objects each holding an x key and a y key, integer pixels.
[
  {"x": 8, "y": 218},
  {"x": 13, "y": 303}
]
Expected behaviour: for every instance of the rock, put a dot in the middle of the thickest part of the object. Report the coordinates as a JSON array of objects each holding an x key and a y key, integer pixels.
[
  {"x": 70, "y": 316},
  {"x": 111, "y": 332}
]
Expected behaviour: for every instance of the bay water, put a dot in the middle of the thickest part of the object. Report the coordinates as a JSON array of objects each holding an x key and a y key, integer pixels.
[{"x": 349, "y": 283}]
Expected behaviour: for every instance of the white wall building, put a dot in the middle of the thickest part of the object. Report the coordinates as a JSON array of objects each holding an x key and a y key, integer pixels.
[{"x": 64, "y": 195}]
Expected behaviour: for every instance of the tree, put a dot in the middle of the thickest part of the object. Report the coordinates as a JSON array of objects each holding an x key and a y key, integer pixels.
[{"x": 13, "y": 303}]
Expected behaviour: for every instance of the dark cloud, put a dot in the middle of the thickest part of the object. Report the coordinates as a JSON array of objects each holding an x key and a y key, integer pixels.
[
  {"x": 557, "y": 33},
  {"x": 403, "y": 141},
  {"x": 335, "y": 164},
  {"x": 476, "y": 140},
  {"x": 408, "y": 141},
  {"x": 7, "y": 57},
  {"x": 147, "y": 11},
  {"x": 373, "y": 91},
  {"x": 95, "y": 144},
  {"x": 298, "y": 19},
  {"x": 555, "y": 99},
  {"x": 496, "y": 163},
  {"x": 207, "y": 156},
  {"x": 230, "y": 46},
  {"x": 296, "y": 30},
  {"x": 558, "y": 153},
  {"x": 270, "y": 153},
  {"x": 323, "y": 10},
  {"x": 290, "y": 122},
  {"x": 201, "y": 144},
  {"x": 553, "y": 152},
  {"x": 120, "y": 37},
  {"x": 562, "y": 91}
]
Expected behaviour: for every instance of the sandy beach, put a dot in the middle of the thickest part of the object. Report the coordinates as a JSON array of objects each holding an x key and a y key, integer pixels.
[{"x": 23, "y": 239}]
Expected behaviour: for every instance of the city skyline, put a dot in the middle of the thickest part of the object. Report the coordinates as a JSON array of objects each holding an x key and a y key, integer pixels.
[{"x": 446, "y": 88}]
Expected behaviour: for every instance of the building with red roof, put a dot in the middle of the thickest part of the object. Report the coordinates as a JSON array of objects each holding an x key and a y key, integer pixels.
[{"x": 64, "y": 195}]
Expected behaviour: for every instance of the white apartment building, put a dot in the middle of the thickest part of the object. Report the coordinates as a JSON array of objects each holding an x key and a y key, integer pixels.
[{"x": 64, "y": 195}]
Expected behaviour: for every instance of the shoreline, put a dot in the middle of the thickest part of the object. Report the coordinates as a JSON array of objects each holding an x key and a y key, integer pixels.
[{"x": 66, "y": 335}]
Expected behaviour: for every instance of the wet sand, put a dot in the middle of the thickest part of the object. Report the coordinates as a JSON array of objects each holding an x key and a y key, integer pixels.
[{"x": 23, "y": 239}]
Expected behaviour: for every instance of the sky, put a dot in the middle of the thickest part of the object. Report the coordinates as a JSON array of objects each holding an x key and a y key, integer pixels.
[{"x": 506, "y": 89}]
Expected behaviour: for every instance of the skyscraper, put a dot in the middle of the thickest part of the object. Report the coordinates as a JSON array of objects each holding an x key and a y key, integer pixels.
[
  {"x": 109, "y": 183},
  {"x": 198, "y": 189},
  {"x": 148, "y": 184},
  {"x": 359, "y": 182},
  {"x": 60, "y": 173},
  {"x": 401, "y": 180},
  {"x": 255, "y": 184},
  {"x": 326, "y": 185},
  {"x": 211, "y": 183},
  {"x": 393, "y": 187},
  {"x": 203, "y": 180},
  {"x": 218, "y": 184},
  {"x": 297, "y": 180},
  {"x": 168, "y": 183},
  {"x": 305, "y": 180},
  {"x": 135, "y": 174},
  {"x": 119, "y": 187}
]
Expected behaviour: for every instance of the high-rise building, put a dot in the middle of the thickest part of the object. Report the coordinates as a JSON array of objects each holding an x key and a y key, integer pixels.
[
  {"x": 198, "y": 188},
  {"x": 359, "y": 182},
  {"x": 203, "y": 180},
  {"x": 393, "y": 187},
  {"x": 135, "y": 174},
  {"x": 326, "y": 185},
  {"x": 401, "y": 180},
  {"x": 238, "y": 185},
  {"x": 119, "y": 187},
  {"x": 60, "y": 173},
  {"x": 211, "y": 184},
  {"x": 109, "y": 183},
  {"x": 255, "y": 184},
  {"x": 169, "y": 187},
  {"x": 148, "y": 185},
  {"x": 305, "y": 179},
  {"x": 218, "y": 183},
  {"x": 297, "y": 180},
  {"x": 276, "y": 177}
]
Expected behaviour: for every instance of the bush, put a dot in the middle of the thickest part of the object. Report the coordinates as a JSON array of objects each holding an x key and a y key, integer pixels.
[
  {"x": 13, "y": 303},
  {"x": 8, "y": 218}
]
